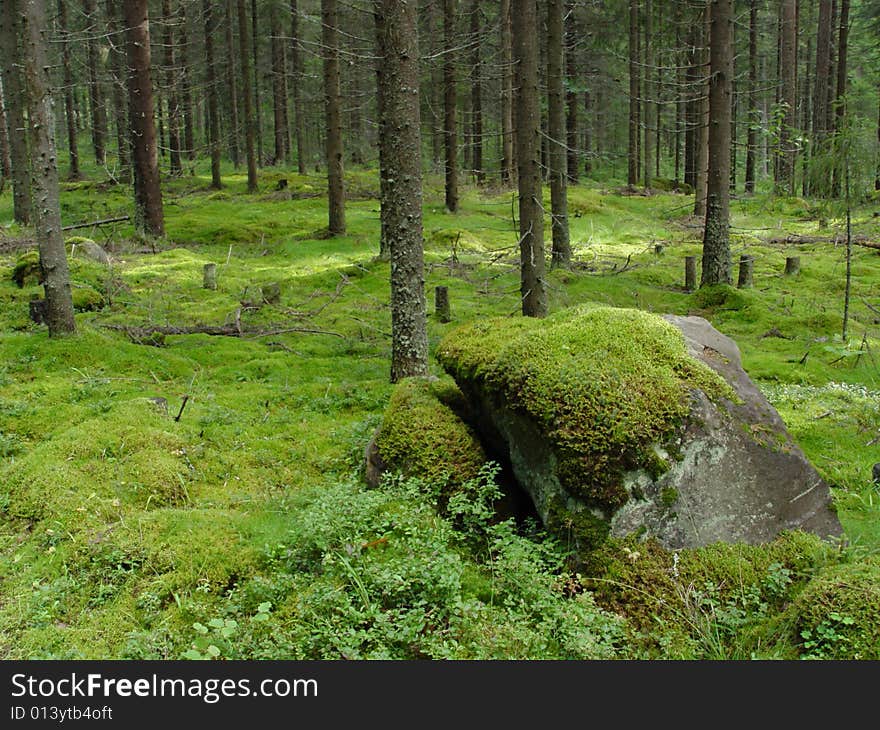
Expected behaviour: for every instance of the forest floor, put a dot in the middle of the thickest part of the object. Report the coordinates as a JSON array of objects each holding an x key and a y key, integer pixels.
[{"x": 205, "y": 497}]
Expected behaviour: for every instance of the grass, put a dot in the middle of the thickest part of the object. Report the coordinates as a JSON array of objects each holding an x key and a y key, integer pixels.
[{"x": 122, "y": 526}]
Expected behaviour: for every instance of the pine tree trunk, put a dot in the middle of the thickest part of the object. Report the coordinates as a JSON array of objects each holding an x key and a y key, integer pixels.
[
  {"x": 118, "y": 89},
  {"x": 507, "y": 142},
  {"x": 571, "y": 97},
  {"x": 716, "y": 235},
  {"x": 648, "y": 109},
  {"x": 258, "y": 106},
  {"x": 279, "y": 87},
  {"x": 186, "y": 73},
  {"x": 702, "y": 136},
  {"x": 823, "y": 65},
  {"x": 752, "y": 135},
  {"x": 528, "y": 150},
  {"x": 169, "y": 19},
  {"x": 840, "y": 100},
  {"x": 788, "y": 94},
  {"x": 397, "y": 35},
  {"x": 450, "y": 136},
  {"x": 234, "y": 131},
  {"x": 250, "y": 121},
  {"x": 5, "y": 158},
  {"x": 296, "y": 75},
  {"x": 149, "y": 216},
  {"x": 632, "y": 177},
  {"x": 561, "y": 248},
  {"x": 44, "y": 170},
  {"x": 434, "y": 92},
  {"x": 333, "y": 115},
  {"x": 211, "y": 81},
  {"x": 96, "y": 96},
  {"x": 477, "y": 94},
  {"x": 13, "y": 87},
  {"x": 73, "y": 172},
  {"x": 692, "y": 107}
]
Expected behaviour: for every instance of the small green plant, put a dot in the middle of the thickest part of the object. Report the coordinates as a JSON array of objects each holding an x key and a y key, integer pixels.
[{"x": 827, "y": 640}]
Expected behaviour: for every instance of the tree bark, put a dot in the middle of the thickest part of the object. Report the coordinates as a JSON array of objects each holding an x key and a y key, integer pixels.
[
  {"x": 449, "y": 106},
  {"x": 632, "y": 177},
  {"x": 149, "y": 215},
  {"x": 507, "y": 143},
  {"x": 279, "y": 87},
  {"x": 752, "y": 134},
  {"x": 13, "y": 88},
  {"x": 333, "y": 116},
  {"x": 258, "y": 106},
  {"x": 716, "y": 235},
  {"x": 477, "y": 93},
  {"x": 571, "y": 97},
  {"x": 250, "y": 122},
  {"x": 788, "y": 96},
  {"x": 211, "y": 81},
  {"x": 561, "y": 248},
  {"x": 296, "y": 75},
  {"x": 96, "y": 96},
  {"x": 169, "y": 18},
  {"x": 528, "y": 151},
  {"x": 397, "y": 35},
  {"x": 44, "y": 169},
  {"x": 823, "y": 66},
  {"x": 5, "y": 158},
  {"x": 234, "y": 131},
  {"x": 186, "y": 74},
  {"x": 702, "y": 135},
  {"x": 648, "y": 105},
  {"x": 73, "y": 171}
]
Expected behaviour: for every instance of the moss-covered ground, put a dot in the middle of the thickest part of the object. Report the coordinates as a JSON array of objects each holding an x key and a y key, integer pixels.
[{"x": 242, "y": 528}]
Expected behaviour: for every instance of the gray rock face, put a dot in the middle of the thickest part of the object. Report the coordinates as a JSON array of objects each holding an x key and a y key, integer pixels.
[
  {"x": 90, "y": 249},
  {"x": 736, "y": 474}
]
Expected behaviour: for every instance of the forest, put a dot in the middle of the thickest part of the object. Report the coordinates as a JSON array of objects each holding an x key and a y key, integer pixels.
[{"x": 366, "y": 329}]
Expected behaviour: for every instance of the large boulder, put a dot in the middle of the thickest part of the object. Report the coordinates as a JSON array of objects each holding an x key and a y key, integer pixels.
[{"x": 622, "y": 422}]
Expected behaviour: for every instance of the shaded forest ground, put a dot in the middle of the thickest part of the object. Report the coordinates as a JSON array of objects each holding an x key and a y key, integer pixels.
[{"x": 126, "y": 532}]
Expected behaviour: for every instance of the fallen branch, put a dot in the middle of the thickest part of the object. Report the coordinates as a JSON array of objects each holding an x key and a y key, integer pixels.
[
  {"x": 863, "y": 241},
  {"x": 105, "y": 221},
  {"x": 141, "y": 334}
]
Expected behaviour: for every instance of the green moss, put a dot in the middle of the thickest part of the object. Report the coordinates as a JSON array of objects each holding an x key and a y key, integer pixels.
[
  {"x": 422, "y": 435},
  {"x": 86, "y": 299},
  {"x": 27, "y": 269},
  {"x": 720, "y": 296},
  {"x": 580, "y": 531},
  {"x": 604, "y": 384},
  {"x": 668, "y": 496}
]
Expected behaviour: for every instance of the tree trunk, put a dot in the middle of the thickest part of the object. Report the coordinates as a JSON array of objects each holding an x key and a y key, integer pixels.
[
  {"x": 258, "y": 106},
  {"x": 507, "y": 142},
  {"x": 434, "y": 92},
  {"x": 788, "y": 94},
  {"x": 477, "y": 94},
  {"x": 169, "y": 19},
  {"x": 692, "y": 106},
  {"x": 5, "y": 158},
  {"x": 73, "y": 172},
  {"x": 716, "y": 235},
  {"x": 823, "y": 66},
  {"x": 449, "y": 102},
  {"x": 752, "y": 134},
  {"x": 250, "y": 122},
  {"x": 234, "y": 131},
  {"x": 149, "y": 216},
  {"x": 118, "y": 89},
  {"x": 528, "y": 151},
  {"x": 296, "y": 75},
  {"x": 186, "y": 72},
  {"x": 333, "y": 115},
  {"x": 648, "y": 109},
  {"x": 571, "y": 97},
  {"x": 13, "y": 88},
  {"x": 702, "y": 136},
  {"x": 44, "y": 170},
  {"x": 840, "y": 100},
  {"x": 96, "y": 97},
  {"x": 632, "y": 177},
  {"x": 211, "y": 92},
  {"x": 561, "y": 249},
  {"x": 279, "y": 86},
  {"x": 397, "y": 35}
]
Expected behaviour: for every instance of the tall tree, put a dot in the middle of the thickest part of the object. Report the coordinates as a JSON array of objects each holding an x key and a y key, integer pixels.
[
  {"x": 232, "y": 87},
  {"x": 149, "y": 215},
  {"x": 477, "y": 92},
  {"x": 73, "y": 172},
  {"x": 753, "y": 121},
  {"x": 250, "y": 120},
  {"x": 258, "y": 106},
  {"x": 296, "y": 76},
  {"x": 701, "y": 172},
  {"x": 13, "y": 89},
  {"x": 333, "y": 118},
  {"x": 211, "y": 82},
  {"x": 716, "y": 234},
  {"x": 44, "y": 170},
  {"x": 823, "y": 66},
  {"x": 788, "y": 96},
  {"x": 528, "y": 154},
  {"x": 561, "y": 248},
  {"x": 169, "y": 19},
  {"x": 96, "y": 95},
  {"x": 507, "y": 143},
  {"x": 185, "y": 76},
  {"x": 632, "y": 177},
  {"x": 5, "y": 158},
  {"x": 571, "y": 96},
  {"x": 649, "y": 107},
  {"x": 397, "y": 36},
  {"x": 449, "y": 105},
  {"x": 279, "y": 86},
  {"x": 118, "y": 89}
]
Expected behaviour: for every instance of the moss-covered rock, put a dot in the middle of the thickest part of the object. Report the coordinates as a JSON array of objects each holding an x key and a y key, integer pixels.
[
  {"x": 422, "y": 435},
  {"x": 27, "y": 269},
  {"x": 86, "y": 298}
]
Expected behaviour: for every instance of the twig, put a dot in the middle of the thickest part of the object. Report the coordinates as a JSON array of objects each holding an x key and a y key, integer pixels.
[
  {"x": 96, "y": 223},
  {"x": 182, "y": 406}
]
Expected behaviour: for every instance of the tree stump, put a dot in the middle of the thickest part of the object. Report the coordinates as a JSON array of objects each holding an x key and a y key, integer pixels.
[
  {"x": 746, "y": 268},
  {"x": 209, "y": 280},
  {"x": 658, "y": 249},
  {"x": 792, "y": 265},
  {"x": 690, "y": 273},
  {"x": 441, "y": 304},
  {"x": 39, "y": 310}
]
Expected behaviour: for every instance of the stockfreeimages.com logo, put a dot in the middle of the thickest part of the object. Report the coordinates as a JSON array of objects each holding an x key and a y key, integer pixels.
[{"x": 208, "y": 690}]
